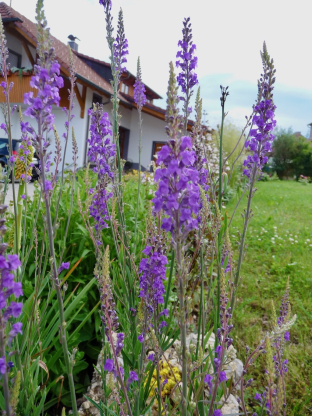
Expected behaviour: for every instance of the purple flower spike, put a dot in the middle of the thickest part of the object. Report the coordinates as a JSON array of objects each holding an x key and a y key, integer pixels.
[
  {"x": 217, "y": 413},
  {"x": 120, "y": 45},
  {"x": 102, "y": 153},
  {"x": 187, "y": 78},
  {"x": 139, "y": 88},
  {"x": 178, "y": 193},
  {"x": 260, "y": 139}
]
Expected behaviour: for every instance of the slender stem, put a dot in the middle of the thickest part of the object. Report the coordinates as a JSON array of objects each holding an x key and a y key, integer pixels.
[
  {"x": 139, "y": 183},
  {"x": 71, "y": 97},
  {"x": 220, "y": 160},
  {"x": 56, "y": 280},
  {"x": 170, "y": 278},
  {"x": 21, "y": 189},
  {"x": 242, "y": 244},
  {"x": 182, "y": 319}
]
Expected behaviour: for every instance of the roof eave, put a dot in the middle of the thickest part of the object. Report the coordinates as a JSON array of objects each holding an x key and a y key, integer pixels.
[{"x": 102, "y": 90}]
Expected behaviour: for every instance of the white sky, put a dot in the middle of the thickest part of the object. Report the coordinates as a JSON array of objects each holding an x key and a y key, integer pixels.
[{"x": 228, "y": 35}]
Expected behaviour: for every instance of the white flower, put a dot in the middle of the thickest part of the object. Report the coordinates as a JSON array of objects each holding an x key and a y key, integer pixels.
[{"x": 291, "y": 239}]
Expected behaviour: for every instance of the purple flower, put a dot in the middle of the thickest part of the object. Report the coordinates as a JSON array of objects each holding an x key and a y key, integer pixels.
[
  {"x": 120, "y": 45},
  {"x": 132, "y": 377},
  {"x": 139, "y": 88},
  {"x": 258, "y": 397},
  {"x": 106, "y": 3},
  {"x": 119, "y": 342},
  {"x": 187, "y": 78},
  {"x": 165, "y": 312},
  {"x": 14, "y": 261},
  {"x": 16, "y": 329},
  {"x": 260, "y": 139},
  {"x": 48, "y": 186},
  {"x": 222, "y": 376},
  {"x": 109, "y": 365},
  {"x": 102, "y": 153},
  {"x": 15, "y": 309},
  {"x": 208, "y": 380},
  {"x": 141, "y": 338},
  {"x": 217, "y": 413},
  {"x": 3, "y": 367},
  {"x": 178, "y": 192},
  {"x": 287, "y": 336},
  {"x": 165, "y": 382},
  {"x": 151, "y": 357},
  {"x": 63, "y": 266}
]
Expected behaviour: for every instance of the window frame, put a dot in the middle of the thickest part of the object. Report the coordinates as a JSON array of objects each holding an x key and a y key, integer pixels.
[{"x": 19, "y": 58}]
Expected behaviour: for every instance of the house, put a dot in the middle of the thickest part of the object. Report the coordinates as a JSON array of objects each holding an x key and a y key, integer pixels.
[{"x": 93, "y": 85}]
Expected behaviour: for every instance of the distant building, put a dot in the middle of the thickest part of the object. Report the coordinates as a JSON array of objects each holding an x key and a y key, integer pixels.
[{"x": 92, "y": 85}]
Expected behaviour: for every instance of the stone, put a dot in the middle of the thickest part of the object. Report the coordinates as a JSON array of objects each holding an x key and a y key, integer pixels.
[{"x": 230, "y": 407}]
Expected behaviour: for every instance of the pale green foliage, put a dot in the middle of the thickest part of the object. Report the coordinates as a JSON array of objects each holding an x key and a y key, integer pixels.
[{"x": 231, "y": 134}]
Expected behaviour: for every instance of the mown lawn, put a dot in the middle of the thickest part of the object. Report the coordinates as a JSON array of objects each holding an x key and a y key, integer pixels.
[{"x": 280, "y": 245}]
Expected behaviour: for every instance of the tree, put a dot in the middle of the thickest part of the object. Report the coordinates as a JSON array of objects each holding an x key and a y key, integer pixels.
[
  {"x": 283, "y": 152},
  {"x": 292, "y": 155}
]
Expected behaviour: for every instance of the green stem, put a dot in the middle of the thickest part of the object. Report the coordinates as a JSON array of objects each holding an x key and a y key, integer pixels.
[
  {"x": 242, "y": 244},
  {"x": 47, "y": 201},
  {"x": 182, "y": 323},
  {"x": 220, "y": 160},
  {"x": 21, "y": 190},
  {"x": 170, "y": 279},
  {"x": 139, "y": 183}
]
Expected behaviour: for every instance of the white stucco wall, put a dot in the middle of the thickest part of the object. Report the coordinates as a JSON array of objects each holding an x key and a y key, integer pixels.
[
  {"x": 153, "y": 129},
  {"x": 15, "y": 45}
]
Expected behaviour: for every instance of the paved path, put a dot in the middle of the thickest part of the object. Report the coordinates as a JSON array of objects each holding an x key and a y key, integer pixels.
[{"x": 9, "y": 195}]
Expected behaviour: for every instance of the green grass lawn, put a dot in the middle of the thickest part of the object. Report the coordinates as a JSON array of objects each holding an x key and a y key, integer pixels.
[{"x": 279, "y": 242}]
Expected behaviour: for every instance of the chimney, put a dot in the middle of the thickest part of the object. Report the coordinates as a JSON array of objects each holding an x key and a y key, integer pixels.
[
  {"x": 72, "y": 42},
  {"x": 73, "y": 45}
]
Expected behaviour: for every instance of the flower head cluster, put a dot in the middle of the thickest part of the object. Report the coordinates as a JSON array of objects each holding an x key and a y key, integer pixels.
[
  {"x": 178, "y": 193},
  {"x": 106, "y": 3},
  {"x": 201, "y": 165},
  {"x": 197, "y": 136},
  {"x": 139, "y": 88},
  {"x": 120, "y": 46},
  {"x": 261, "y": 138},
  {"x": 187, "y": 78},
  {"x": 8, "y": 308},
  {"x": 153, "y": 273},
  {"x": 25, "y": 155},
  {"x": 48, "y": 82},
  {"x": 109, "y": 316},
  {"x": 101, "y": 152}
]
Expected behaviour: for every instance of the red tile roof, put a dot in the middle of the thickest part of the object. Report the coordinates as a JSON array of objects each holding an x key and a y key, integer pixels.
[
  {"x": 83, "y": 71},
  {"x": 149, "y": 90}
]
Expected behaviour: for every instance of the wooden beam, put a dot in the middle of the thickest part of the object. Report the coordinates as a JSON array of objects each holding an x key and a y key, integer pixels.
[
  {"x": 28, "y": 52},
  {"x": 81, "y": 99}
]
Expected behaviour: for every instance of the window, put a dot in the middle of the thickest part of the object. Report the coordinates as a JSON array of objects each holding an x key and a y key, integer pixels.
[
  {"x": 15, "y": 59},
  {"x": 124, "y": 88},
  {"x": 156, "y": 148}
]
